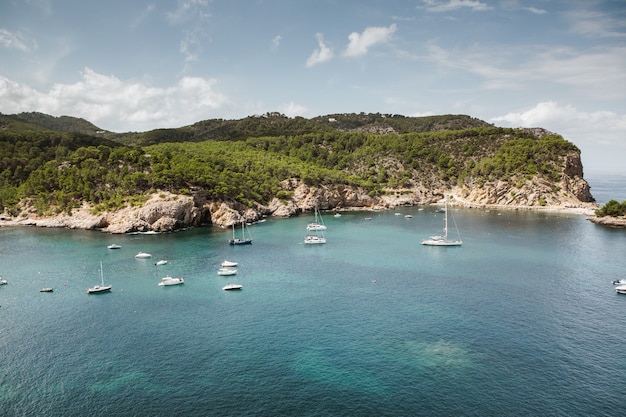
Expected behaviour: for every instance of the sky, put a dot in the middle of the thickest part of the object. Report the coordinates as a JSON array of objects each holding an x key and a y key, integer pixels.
[{"x": 141, "y": 65}]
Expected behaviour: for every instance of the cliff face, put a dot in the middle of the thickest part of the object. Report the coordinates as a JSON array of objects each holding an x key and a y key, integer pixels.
[{"x": 571, "y": 191}]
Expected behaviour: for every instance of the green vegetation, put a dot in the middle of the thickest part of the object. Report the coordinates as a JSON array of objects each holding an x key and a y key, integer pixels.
[
  {"x": 613, "y": 209},
  {"x": 246, "y": 160}
]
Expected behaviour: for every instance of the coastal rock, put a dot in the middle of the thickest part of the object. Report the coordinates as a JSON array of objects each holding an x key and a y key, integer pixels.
[
  {"x": 610, "y": 221},
  {"x": 163, "y": 212}
]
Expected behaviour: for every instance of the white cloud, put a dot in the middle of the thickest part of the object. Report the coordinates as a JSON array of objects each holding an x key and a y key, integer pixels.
[
  {"x": 450, "y": 5},
  {"x": 190, "y": 47},
  {"x": 275, "y": 43},
  {"x": 596, "y": 72},
  {"x": 360, "y": 42},
  {"x": 601, "y": 135},
  {"x": 535, "y": 10},
  {"x": 323, "y": 54},
  {"x": 13, "y": 41},
  {"x": 188, "y": 9},
  {"x": 143, "y": 15},
  {"x": 292, "y": 109},
  {"x": 191, "y": 16},
  {"x": 597, "y": 24},
  {"x": 115, "y": 104}
]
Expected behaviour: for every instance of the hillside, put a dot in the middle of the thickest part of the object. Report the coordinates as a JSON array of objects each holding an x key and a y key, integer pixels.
[{"x": 273, "y": 164}]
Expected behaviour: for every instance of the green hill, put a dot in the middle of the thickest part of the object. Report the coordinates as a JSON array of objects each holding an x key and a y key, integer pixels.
[{"x": 52, "y": 165}]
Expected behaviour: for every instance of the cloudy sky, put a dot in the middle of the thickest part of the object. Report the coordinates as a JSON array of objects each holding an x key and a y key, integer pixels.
[{"x": 140, "y": 65}]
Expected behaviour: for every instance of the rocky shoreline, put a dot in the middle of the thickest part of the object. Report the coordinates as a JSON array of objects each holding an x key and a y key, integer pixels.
[
  {"x": 165, "y": 212},
  {"x": 610, "y": 221}
]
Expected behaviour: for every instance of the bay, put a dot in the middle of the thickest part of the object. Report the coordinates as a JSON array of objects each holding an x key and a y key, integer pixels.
[{"x": 521, "y": 320}]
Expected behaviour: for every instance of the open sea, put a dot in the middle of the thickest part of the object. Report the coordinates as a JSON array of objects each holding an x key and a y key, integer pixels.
[{"x": 522, "y": 320}]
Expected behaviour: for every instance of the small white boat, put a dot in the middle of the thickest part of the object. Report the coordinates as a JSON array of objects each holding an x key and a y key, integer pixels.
[
  {"x": 96, "y": 289},
  {"x": 227, "y": 271},
  {"x": 168, "y": 280},
  {"x": 408, "y": 216},
  {"x": 47, "y": 289},
  {"x": 228, "y": 264},
  {"x": 619, "y": 282},
  {"x": 114, "y": 246},
  {"x": 337, "y": 214},
  {"x": 620, "y": 289},
  {"x": 314, "y": 240},
  {"x": 143, "y": 255},
  {"x": 3, "y": 281},
  {"x": 161, "y": 262},
  {"x": 231, "y": 287}
]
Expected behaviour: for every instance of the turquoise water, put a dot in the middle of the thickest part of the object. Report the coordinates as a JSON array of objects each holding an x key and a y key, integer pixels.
[{"x": 521, "y": 320}]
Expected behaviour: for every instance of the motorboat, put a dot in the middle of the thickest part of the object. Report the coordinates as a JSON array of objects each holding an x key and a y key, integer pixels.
[
  {"x": 168, "y": 280},
  {"x": 97, "y": 289},
  {"x": 228, "y": 264},
  {"x": 231, "y": 287},
  {"x": 227, "y": 271},
  {"x": 114, "y": 246},
  {"x": 314, "y": 240},
  {"x": 3, "y": 281},
  {"x": 47, "y": 289},
  {"x": 619, "y": 282},
  {"x": 620, "y": 289},
  {"x": 143, "y": 255},
  {"x": 161, "y": 262}
]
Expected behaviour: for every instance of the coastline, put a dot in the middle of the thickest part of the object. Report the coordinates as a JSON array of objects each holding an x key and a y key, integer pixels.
[{"x": 121, "y": 221}]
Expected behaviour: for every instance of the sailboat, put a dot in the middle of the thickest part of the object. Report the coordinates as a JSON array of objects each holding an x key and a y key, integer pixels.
[
  {"x": 442, "y": 240},
  {"x": 243, "y": 240},
  {"x": 100, "y": 288},
  {"x": 318, "y": 224}
]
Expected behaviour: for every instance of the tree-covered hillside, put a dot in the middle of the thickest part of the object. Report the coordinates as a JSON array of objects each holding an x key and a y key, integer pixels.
[{"x": 247, "y": 161}]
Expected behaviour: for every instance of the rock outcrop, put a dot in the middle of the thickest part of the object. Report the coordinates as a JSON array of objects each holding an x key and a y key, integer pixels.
[{"x": 610, "y": 221}]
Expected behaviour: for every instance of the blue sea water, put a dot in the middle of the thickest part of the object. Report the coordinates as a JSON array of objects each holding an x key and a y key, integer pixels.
[
  {"x": 607, "y": 186},
  {"x": 521, "y": 320}
]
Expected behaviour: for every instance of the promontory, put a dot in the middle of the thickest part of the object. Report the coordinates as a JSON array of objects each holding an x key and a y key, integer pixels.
[{"x": 66, "y": 172}]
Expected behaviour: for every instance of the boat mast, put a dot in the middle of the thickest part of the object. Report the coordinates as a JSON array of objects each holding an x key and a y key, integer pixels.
[{"x": 445, "y": 220}]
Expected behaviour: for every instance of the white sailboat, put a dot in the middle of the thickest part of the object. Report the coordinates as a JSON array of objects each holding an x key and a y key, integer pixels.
[
  {"x": 243, "y": 240},
  {"x": 442, "y": 240},
  {"x": 318, "y": 224},
  {"x": 96, "y": 289}
]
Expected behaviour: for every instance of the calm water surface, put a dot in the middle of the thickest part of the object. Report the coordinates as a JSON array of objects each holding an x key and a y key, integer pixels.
[{"x": 521, "y": 320}]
